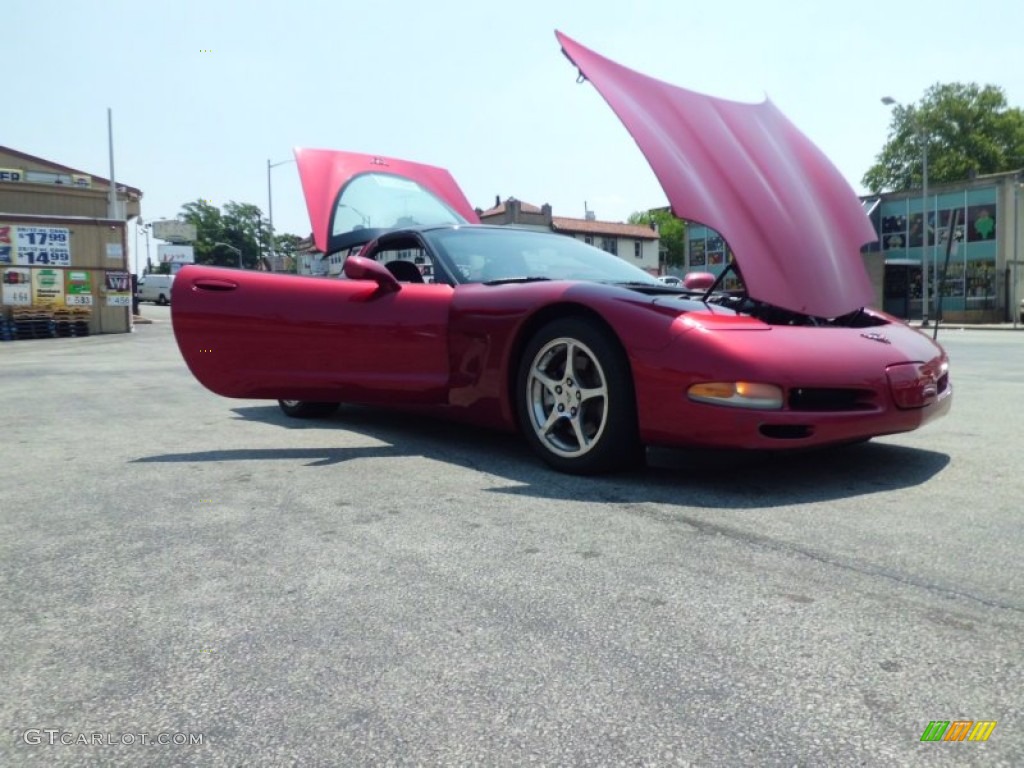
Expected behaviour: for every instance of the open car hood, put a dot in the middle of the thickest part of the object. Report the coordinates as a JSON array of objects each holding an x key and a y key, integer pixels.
[
  {"x": 391, "y": 193},
  {"x": 793, "y": 222}
]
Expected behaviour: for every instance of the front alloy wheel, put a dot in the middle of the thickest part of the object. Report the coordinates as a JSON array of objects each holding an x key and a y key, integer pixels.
[{"x": 575, "y": 399}]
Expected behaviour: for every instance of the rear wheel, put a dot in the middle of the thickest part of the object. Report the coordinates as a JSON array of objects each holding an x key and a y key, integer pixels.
[
  {"x": 302, "y": 409},
  {"x": 575, "y": 401},
  {"x": 162, "y": 300}
]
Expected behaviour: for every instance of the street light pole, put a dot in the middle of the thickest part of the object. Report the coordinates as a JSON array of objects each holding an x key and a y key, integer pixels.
[
  {"x": 1015, "y": 307},
  {"x": 270, "y": 198},
  {"x": 270, "y": 204},
  {"x": 928, "y": 267},
  {"x": 145, "y": 231}
]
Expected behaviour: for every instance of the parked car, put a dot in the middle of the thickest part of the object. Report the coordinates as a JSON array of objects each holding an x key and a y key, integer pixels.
[
  {"x": 156, "y": 288},
  {"x": 589, "y": 357},
  {"x": 670, "y": 280}
]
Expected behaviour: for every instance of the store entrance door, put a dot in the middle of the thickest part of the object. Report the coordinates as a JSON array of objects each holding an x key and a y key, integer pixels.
[{"x": 902, "y": 288}]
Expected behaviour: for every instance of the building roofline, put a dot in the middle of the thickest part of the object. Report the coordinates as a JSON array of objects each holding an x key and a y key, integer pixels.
[
  {"x": 67, "y": 168},
  {"x": 597, "y": 227},
  {"x": 935, "y": 187},
  {"x": 41, "y": 217}
]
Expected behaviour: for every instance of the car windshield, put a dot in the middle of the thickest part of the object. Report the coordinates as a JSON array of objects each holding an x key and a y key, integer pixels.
[
  {"x": 484, "y": 255},
  {"x": 383, "y": 200}
]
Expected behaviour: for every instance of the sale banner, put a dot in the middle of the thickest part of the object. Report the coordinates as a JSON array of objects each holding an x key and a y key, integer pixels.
[
  {"x": 8, "y": 245},
  {"x": 46, "y": 246}
]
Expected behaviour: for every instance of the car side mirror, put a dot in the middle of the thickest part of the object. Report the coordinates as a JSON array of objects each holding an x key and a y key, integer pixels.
[
  {"x": 360, "y": 268},
  {"x": 698, "y": 281}
]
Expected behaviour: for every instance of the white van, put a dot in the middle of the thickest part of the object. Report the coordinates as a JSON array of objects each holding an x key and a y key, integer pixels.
[{"x": 156, "y": 288}]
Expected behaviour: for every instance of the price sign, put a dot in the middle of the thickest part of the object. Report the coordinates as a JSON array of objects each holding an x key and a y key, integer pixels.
[
  {"x": 77, "y": 288},
  {"x": 17, "y": 286},
  {"x": 18, "y": 296},
  {"x": 119, "y": 285},
  {"x": 43, "y": 246}
]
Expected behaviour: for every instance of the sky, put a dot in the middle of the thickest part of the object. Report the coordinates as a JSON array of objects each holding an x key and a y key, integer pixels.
[{"x": 204, "y": 93}]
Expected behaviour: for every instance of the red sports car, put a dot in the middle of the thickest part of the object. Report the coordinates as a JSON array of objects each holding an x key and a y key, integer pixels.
[{"x": 589, "y": 357}]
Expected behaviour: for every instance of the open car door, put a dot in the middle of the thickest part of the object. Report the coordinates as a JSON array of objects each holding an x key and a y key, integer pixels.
[{"x": 370, "y": 338}]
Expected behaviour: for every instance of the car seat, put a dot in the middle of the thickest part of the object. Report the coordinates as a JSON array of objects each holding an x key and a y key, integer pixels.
[{"x": 404, "y": 271}]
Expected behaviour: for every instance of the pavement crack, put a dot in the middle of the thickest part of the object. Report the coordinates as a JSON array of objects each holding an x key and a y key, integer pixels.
[{"x": 864, "y": 568}]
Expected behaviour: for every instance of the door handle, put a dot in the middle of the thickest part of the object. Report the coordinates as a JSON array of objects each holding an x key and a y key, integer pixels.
[{"x": 213, "y": 284}]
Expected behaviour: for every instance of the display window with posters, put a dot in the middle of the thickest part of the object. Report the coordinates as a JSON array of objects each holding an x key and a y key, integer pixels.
[{"x": 697, "y": 252}]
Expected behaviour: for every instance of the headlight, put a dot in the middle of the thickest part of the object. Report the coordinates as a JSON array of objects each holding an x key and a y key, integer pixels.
[{"x": 737, "y": 394}]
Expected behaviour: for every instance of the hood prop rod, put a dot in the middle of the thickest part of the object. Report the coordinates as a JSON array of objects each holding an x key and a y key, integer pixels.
[{"x": 731, "y": 267}]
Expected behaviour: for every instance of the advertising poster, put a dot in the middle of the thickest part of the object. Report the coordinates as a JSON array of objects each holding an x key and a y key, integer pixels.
[
  {"x": 119, "y": 289},
  {"x": 48, "y": 287},
  {"x": 17, "y": 286},
  {"x": 175, "y": 254},
  {"x": 77, "y": 288},
  {"x": 8, "y": 252},
  {"x": 43, "y": 246}
]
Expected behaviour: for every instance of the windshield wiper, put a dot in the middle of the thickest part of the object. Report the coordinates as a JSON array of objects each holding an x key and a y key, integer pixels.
[
  {"x": 659, "y": 286},
  {"x": 503, "y": 280}
]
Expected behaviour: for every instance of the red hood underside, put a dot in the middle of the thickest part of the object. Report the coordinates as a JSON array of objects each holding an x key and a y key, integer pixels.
[{"x": 794, "y": 223}]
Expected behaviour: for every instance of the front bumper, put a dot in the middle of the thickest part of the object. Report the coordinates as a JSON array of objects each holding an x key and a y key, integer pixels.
[{"x": 833, "y": 394}]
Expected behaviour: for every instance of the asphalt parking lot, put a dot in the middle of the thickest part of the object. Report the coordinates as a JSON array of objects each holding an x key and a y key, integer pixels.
[{"x": 383, "y": 589}]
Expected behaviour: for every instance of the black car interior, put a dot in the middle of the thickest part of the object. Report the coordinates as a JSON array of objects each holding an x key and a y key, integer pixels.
[{"x": 404, "y": 271}]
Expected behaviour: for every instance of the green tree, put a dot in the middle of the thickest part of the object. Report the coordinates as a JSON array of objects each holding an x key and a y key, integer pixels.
[
  {"x": 245, "y": 228},
  {"x": 240, "y": 225},
  {"x": 209, "y": 230},
  {"x": 968, "y": 129},
  {"x": 285, "y": 245},
  {"x": 671, "y": 230}
]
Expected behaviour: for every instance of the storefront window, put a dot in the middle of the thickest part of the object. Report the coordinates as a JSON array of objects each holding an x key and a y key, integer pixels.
[
  {"x": 697, "y": 254},
  {"x": 716, "y": 250},
  {"x": 943, "y": 229},
  {"x": 981, "y": 223},
  {"x": 980, "y": 283},
  {"x": 894, "y": 226}
]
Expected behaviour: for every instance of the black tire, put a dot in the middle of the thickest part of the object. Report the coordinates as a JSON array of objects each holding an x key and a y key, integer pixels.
[
  {"x": 301, "y": 409},
  {"x": 581, "y": 421},
  {"x": 162, "y": 300}
]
